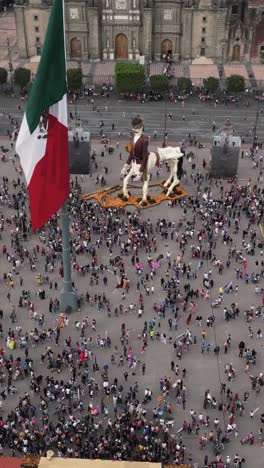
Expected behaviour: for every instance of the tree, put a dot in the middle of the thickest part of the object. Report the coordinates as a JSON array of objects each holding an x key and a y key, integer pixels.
[
  {"x": 159, "y": 82},
  {"x": 22, "y": 77},
  {"x": 74, "y": 77},
  {"x": 3, "y": 76},
  {"x": 184, "y": 84},
  {"x": 129, "y": 77},
  {"x": 211, "y": 84},
  {"x": 235, "y": 84}
]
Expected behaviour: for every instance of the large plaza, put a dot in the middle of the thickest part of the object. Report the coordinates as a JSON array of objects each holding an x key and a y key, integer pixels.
[{"x": 172, "y": 234}]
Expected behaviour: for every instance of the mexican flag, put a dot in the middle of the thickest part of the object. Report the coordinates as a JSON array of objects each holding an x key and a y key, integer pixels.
[{"x": 42, "y": 142}]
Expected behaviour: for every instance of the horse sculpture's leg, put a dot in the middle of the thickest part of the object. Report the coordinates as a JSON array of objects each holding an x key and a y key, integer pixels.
[
  {"x": 145, "y": 190},
  {"x": 168, "y": 181},
  {"x": 125, "y": 183},
  {"x": 173, "y": 176},
  {"x": 170, "y": 178}
]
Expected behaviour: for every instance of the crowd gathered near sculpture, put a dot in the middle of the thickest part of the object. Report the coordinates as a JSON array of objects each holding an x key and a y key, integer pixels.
[{"x": 148, "y": 285}]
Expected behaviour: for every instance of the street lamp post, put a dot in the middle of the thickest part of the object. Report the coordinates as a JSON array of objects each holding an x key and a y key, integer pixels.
[
  {"x": 147, "y": 63},
  {"x": 165, "y": 120},
  {"x": 10, "y": 63},
  {"x": 256, "y": 125}
]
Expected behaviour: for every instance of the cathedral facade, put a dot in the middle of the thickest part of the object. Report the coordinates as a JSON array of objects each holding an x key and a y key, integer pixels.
[{"x": 221, "y": 30}]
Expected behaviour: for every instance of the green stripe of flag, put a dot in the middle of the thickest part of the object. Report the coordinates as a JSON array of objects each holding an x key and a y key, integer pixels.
[{"x": 50, "y": 82}]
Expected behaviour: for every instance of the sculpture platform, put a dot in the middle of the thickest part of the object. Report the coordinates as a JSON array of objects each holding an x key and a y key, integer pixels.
[{"x": 112, "y": 197}]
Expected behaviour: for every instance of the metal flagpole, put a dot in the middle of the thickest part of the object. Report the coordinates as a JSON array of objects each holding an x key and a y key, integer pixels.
[{"x": 68, "y": 298}]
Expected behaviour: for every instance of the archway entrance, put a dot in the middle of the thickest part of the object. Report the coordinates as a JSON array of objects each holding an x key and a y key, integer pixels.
[
  {"x": 166, "y": 47},
  {"x": 236, "y": 53},
  {"x": 76, "y": 48},
  {"x": 121, "y": 46}
]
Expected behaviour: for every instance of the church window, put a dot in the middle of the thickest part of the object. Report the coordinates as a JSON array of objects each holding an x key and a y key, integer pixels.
[
  {"x": 203, "y": 39},
  {"x": 36, "y": 17},
  {"x": 234, "y": 9},
  {"x": 203, "y": 30},
  {"x": 36, "y": 29},
  {"x": 167, "y": 14},
  {"x": 204, "y": 19},
  {"x": 74, "y": 14},
  {"x": 202, "y": 51},
  {"x": 37, "y": 39}
]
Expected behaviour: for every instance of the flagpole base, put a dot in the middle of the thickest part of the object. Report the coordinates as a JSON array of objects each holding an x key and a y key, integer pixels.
[{"x": 68, "y": 301}]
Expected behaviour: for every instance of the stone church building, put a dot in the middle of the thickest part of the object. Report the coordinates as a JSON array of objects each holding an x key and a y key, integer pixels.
[{"x": 222, "y": 30}]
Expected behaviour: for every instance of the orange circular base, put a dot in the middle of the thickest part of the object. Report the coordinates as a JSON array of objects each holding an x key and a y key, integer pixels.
[{"x": 108, "y": 197}]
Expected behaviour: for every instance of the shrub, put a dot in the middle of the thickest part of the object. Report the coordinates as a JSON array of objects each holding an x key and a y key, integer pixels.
[
  {"x": 3, "y": 76},
  {"x": 159, "y": 82},
  {"x": 211, "y": 84},
  {"x": 129, "y": 77},
  {"x": 22, "y": 77},
  {"x": 74, "y": 78},
  {"x": 235, "y": 84},
  {"x": 184, "y": 84}
]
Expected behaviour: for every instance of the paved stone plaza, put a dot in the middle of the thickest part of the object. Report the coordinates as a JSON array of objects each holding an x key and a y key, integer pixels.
[
  {"x": 201, "y": 368},
  {"x": 195, "y": 118}
]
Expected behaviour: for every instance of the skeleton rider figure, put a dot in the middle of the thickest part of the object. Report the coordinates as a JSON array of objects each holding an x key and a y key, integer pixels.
[{"x": 138, "y": 151}]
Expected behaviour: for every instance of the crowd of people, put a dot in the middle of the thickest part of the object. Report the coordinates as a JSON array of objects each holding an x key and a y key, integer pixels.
[{"x": 148, "y": 286}]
